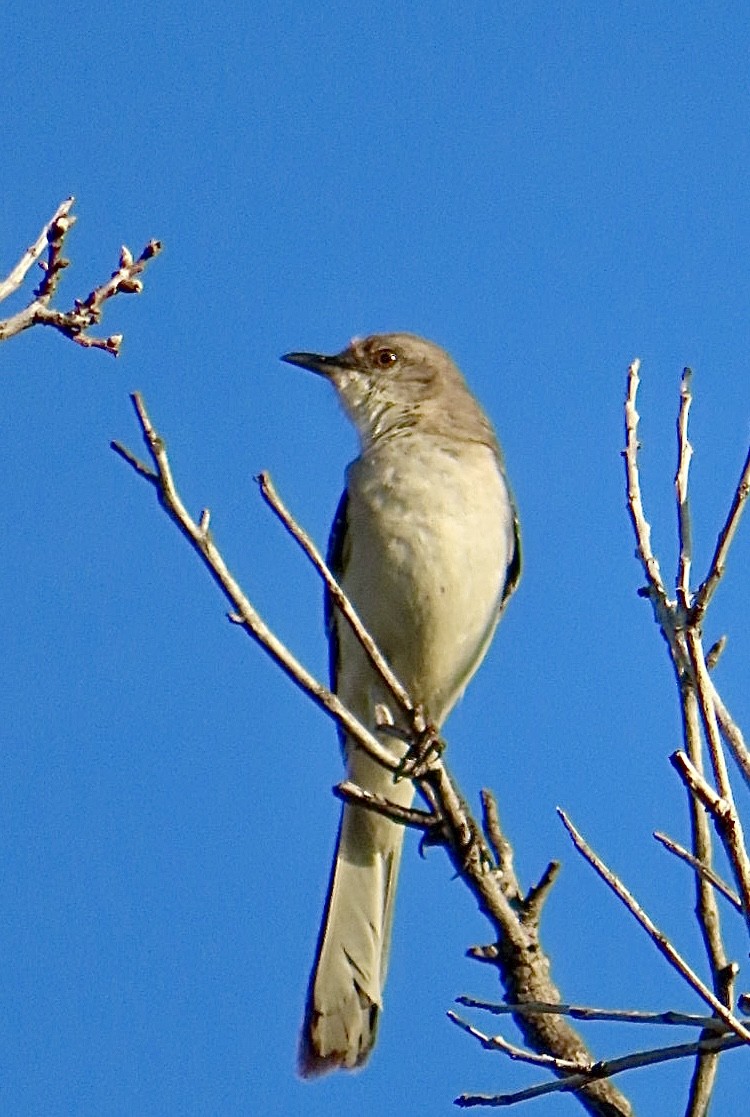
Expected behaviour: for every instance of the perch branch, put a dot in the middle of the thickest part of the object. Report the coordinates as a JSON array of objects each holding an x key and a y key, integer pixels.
[
  {"x": 275, "y": 503},
  {"x": 523, "y": 965},
  {"x": 244, "y": 613}
]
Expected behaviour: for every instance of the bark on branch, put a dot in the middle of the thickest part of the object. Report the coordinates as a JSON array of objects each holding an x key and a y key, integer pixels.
[
  {"x": 524, "y": 968},
  {"x": 85, "y": 313}
]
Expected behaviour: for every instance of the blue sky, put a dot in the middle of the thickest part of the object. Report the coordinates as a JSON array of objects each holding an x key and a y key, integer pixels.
[{"x": 547, "y": 191}]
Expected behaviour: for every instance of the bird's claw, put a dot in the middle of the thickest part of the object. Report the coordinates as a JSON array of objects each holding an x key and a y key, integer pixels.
[{"x": 426, "y": 748}]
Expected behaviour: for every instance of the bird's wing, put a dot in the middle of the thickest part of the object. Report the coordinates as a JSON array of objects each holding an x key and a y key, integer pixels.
[
  {"x": 514, "y": 567},
  {"x": 336, "y": 560}
]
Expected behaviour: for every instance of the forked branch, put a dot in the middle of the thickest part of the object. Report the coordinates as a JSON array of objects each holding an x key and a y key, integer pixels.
[
  {"x": 516, "y": 952},
  {"x": 85, "y": 313}
]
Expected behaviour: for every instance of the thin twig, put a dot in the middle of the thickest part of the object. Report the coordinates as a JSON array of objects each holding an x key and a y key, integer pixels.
[
  {"x": 537, "y": 894},
  {"x": 724, "y": 815},
  {"x": 679, "y": 624},
  {"x": 659, "y": 939},
  {"x": 708, "y": 713},
  {"x": 575, "y": 1082},
  {"x": 244, "y": 613},
  {"x": 521, "y": 961},
  {"x": 707, "y": 911},
  {"x": 350, "y": 792},
  {"x": 723, "y": 543},
  {"x": 641, "y": 526},
  {"x": 85, "y": 313},
  {"x": 697, "y": 783},
  {"x": 275, "y": 503},
  {"x": 684, "y": 454},
  {"x": 731, "y": 733},
  {"x": 60, "y": 219},
  {"x": 500, "y": 845},
  {"x": 589, "y": 1013},
  {"x": 497, "y": 1043},
  {"x": 706, "y": 907},
  {"x": 728, "y": 821},
  {"x": 698, "y": 867}
]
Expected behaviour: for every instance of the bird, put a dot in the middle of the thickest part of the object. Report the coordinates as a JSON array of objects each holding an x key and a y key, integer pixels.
[{"x": 426, "y": 545}]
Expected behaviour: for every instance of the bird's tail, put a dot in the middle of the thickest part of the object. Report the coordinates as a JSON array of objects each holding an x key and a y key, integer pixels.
[{"x": 345, "y": 995}]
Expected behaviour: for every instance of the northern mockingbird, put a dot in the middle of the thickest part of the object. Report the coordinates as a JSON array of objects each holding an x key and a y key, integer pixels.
[{"x": 425, "y": 544}]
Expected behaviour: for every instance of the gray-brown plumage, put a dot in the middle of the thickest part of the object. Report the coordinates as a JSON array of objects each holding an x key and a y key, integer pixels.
[{"x": 425, "y": 544}]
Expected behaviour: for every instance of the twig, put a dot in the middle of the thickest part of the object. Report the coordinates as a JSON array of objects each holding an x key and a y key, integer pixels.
[
  {"x": 723, "y": 543},
  {"x": 659, "y": 939},
  {"x": 589, "y": 1013},
  {"x": 641, "y": 526},
  {"x": 85, "y": 313},
  {"x": 731, "y": 733},
  {"x": 724, "y": 814},
  {"x": 708, "y": 713},
  {"x": 537, "y": 894},
  {"x": 684, "y": 454},
  {"x": 501, "y": 847},
  {"x": 575, "y": 1082},
  {"x": 521, "y": 961},
  {"x": 275, "y": 503},
  {"x": 497, "y": 1043},
  {"x": 706, "y": 907},
  {"x": 350, "y": 792},
  {"x": 679, "y": 622},
  {"x": 703, "y": 871},
  {"x": 693, "y": 698},
  {"x": 244, "y": 613},
  {"x": 60, "y": 221}
]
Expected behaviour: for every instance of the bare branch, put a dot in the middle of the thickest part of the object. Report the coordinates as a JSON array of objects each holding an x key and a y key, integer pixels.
[
  {"x": 680, "y": 623},
  {"x": 350, "y": 792},
  {"x": 641, "y": 526},
  {"x": 539, "y": 892},
  {"x": 724, "y": 814},
  {"x": 275, "y": 503},
  {"x": 685, "y": 453},
  {"x": 523, "y": 965},
  {"x": 501, "y": 847},
  {"x": 58, "y": 224},
  {"x": 575, "y": 1082},
  {"x": 497, "y": 1043},
  {"x": 243, "y": 612},
  {"x": 659, "y": 939},
  {"x": 723, "y": 543},
  {"x": 708, "y": 713},
  {"x": 706, "y": 907},
  {"x": 589, "y": 1013},
  {"x": 731, "y": 733},
  {"x": 702, "y": 870},
  {"x": 85, "y": 313}
]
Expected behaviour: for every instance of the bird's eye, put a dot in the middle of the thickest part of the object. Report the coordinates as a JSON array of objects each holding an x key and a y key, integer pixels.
[{"x": 385, "y": 357}]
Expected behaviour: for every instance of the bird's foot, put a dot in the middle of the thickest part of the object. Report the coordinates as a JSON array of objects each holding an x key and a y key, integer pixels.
[{"x": 425, "y": 748}]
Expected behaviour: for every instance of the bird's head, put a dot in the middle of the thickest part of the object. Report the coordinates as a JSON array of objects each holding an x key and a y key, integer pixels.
[{"x": 386, "y": 382}]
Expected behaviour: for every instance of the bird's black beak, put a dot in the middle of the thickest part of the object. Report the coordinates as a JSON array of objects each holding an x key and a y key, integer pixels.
[
  {"x": 315, "y": 362},
  {"x": 318, "y": 362}
]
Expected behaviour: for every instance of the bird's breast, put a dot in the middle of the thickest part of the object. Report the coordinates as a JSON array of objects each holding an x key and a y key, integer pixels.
[{"x": 430, "y": 532}]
